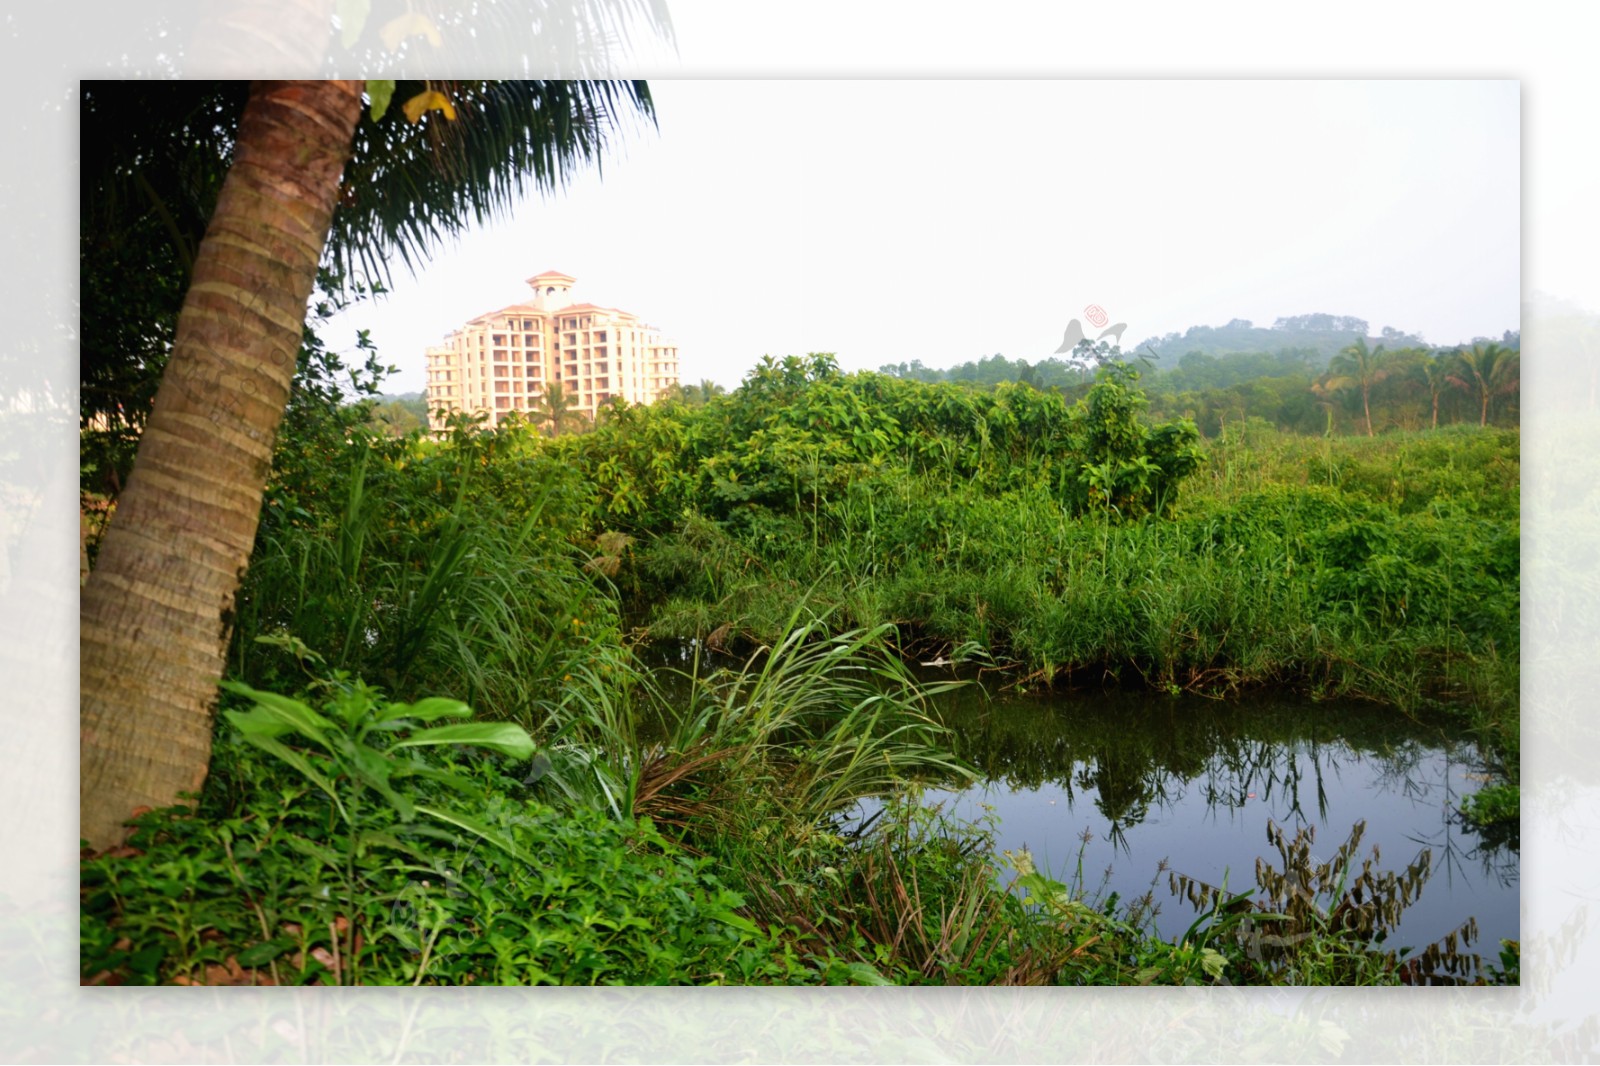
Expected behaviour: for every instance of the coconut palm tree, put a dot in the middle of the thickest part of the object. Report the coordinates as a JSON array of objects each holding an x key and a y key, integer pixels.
[
  {"x": 555, "y": 408},
  {"x": 1490, "y": 370},
  {"x": 1436, "y": 371},
  {"x": 700, "y": 394},
  {"x": 155, "y": 155},
  {"x": 305, "y": 161},
  {"x": 1359, "y": 367}
]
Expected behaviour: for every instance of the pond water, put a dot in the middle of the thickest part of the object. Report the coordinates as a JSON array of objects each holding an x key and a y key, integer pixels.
[{"x": 1129, "y": 780}]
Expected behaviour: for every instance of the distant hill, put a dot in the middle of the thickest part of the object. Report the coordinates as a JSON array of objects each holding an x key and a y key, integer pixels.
[
  {"x": 1319, "y": 337},
  {"x": 1299, "y": 343},
  {"x": 399, "y": 413}
]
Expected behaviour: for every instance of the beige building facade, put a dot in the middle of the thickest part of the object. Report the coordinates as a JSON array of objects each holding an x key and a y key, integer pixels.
[{"x": 505, "y": 360}]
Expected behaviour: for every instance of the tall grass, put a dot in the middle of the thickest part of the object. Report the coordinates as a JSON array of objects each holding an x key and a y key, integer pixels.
[
  {"x": 1269, "y": 576},
  {"x": 816, "y": 719},
  {"x": 415, "y": 586}
]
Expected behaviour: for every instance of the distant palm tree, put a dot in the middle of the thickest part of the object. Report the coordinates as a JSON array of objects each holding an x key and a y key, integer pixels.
[
  {"x": 1490, "y": 369},
  {"x": 703, "y": 393},
  {"x": 555, "y": 408},
  {"x": 1436, "y": 370},
  {"x": 1360, "y": 366}
]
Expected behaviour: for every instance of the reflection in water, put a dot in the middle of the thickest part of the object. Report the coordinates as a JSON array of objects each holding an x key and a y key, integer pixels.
[
  {"x": 1195, "y": 782},
  {"x": 1135, "y": 784}
]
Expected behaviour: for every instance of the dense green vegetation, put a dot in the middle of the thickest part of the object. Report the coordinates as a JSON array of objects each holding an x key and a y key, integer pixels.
[
  {"x": 1296, "y": 376},
  {"x": 595, "y": 823},
  {"x": 1074, "y": 541}
]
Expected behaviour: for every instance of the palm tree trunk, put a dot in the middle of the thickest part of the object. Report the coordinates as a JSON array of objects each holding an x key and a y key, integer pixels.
[
  {"x": 1435, "y": 411},
  {"x": 1366, "y": 410},
  {"x": 156, "y": 614}
]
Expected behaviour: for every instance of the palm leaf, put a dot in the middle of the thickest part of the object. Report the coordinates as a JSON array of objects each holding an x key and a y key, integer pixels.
[{"x": 410, "y": 186}]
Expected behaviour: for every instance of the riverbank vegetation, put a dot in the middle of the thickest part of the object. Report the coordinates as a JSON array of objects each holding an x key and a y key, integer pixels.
[{"x": 550, "y": 809}]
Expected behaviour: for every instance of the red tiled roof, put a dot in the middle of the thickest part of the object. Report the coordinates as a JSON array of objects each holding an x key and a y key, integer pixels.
[
  {"x": 514, "y": 309},
  {"x": 580, "y": 308}
]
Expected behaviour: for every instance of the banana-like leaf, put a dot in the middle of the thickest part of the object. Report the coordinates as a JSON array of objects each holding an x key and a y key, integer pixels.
[
  {"x": 290, "y": 713},
  {"x": 374, "y": 770},
  {"x": 323, "y": 854},
  {"x": 426, "y": 710},
  {"x": 503, "y": 737},
  {"x": 295, "y": 759},
  {"x": 472, "y": 825}
]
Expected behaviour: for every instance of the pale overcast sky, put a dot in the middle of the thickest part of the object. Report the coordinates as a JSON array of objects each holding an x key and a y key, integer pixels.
[{"x": 949, "y": 220}]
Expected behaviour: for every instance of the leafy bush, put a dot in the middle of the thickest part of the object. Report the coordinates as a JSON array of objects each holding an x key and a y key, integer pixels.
[
  {"x": 369, "y": 851},
  {"x": 1496, "y": 805}
]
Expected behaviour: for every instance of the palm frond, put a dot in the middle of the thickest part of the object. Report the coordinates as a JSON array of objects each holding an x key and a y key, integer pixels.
[{"x": 409, "y": 186}]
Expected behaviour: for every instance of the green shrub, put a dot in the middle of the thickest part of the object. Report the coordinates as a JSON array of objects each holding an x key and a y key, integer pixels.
[
  {"x": 1495, "y": 805},
  {"x": 367, "y": 850}
]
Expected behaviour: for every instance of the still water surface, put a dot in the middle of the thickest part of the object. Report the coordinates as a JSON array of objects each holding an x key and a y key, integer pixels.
[{"x": 1135, "y": 779}]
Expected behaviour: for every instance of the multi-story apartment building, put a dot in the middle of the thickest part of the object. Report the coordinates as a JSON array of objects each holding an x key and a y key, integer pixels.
[{"x": 505, "y": 360}]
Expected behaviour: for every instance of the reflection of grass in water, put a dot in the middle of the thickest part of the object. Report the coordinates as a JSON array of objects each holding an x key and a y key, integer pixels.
[
  {"x": 1138, "y": 751},
  {"x": 1140, "y": 754},
  {"x": 1310, "y": 922},
  {"x": 1134, "y": 752}
]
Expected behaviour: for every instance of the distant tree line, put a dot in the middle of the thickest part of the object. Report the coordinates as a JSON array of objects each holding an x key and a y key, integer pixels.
[{"x": 1316, "y": 373}]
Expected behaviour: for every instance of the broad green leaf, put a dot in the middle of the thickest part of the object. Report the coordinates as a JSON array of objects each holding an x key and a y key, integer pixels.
[
  {"x": 299, "y": 761},
  {"x": 377, "y": 838},
  {"x": 426, "y": 710},
  {"x": 296, "y": 715},
  {"x": 258, "y": 723},
  {"x": 477, "y": 828},
  {"x": 264, "y": 952},
  {"x": 373, "y": 770},
  {"x": 322, "y": 854},
  {"x": 352, "y": 19},
  {"x": 862, "y": 974},
  {"x": 503, "y": 737},
  {"x": 738, "y": 921},
  {"x": 443, "y": 777}
]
